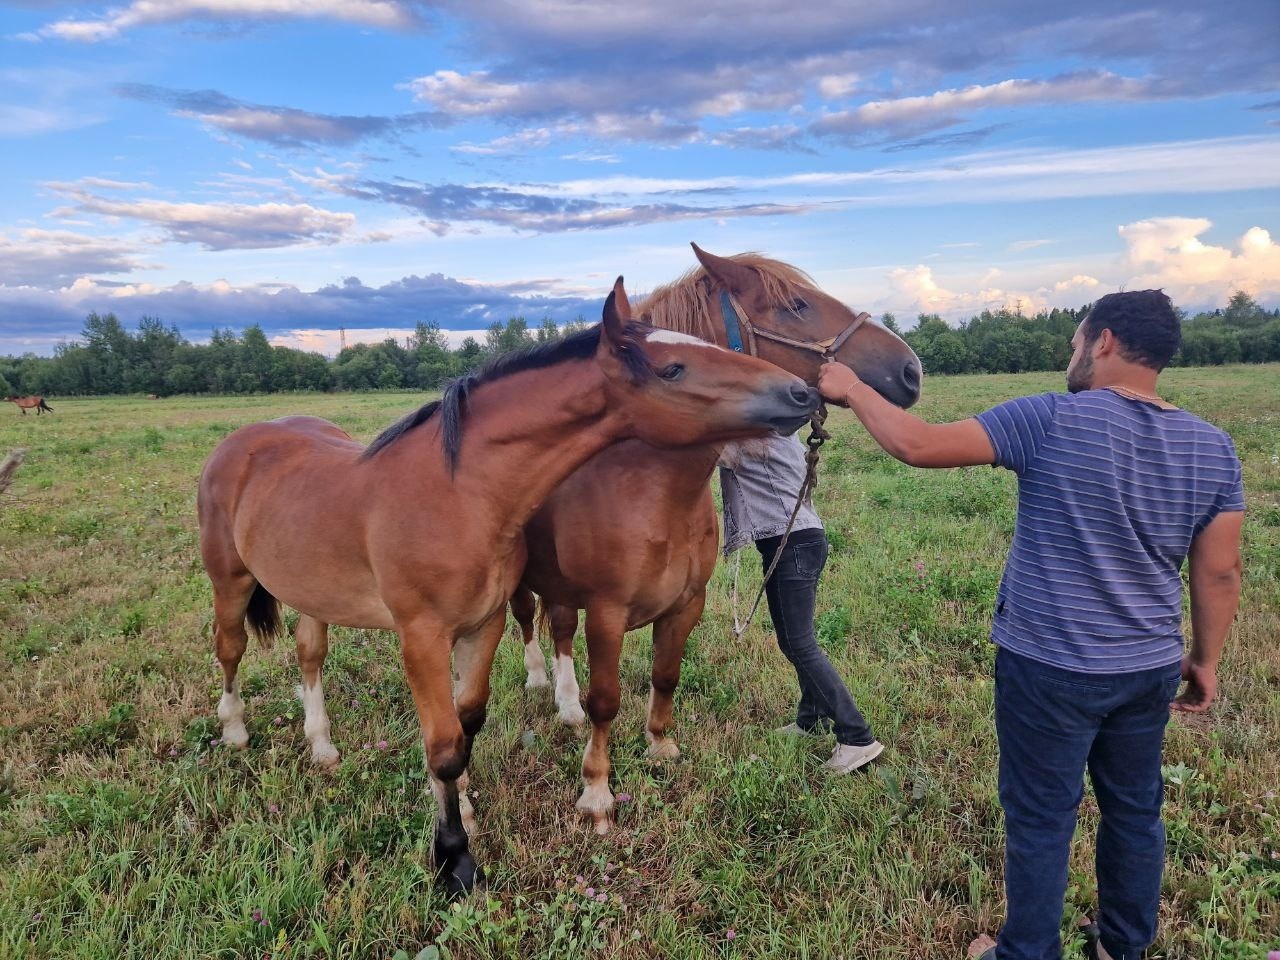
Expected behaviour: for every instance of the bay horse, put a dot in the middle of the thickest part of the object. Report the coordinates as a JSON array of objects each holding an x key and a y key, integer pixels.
[
  {"x": 422, "y": 531},
  {"x": 632, "y": 535},
  {"x": 26, "y": 403}
]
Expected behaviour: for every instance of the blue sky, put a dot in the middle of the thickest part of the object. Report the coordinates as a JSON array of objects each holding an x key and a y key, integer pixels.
[{"x": 369, "y": 163}]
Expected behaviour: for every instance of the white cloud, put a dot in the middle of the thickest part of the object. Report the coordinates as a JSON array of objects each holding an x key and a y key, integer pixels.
[
  {"x": 1167, "y": 252},
  {"x": 1020, "y": 245},
  {"x": 54, "y": 257},
  {"x": 218, "y": 226},
  {"x": 375, "y": 13},
  {"x": 329, "y": 342},
  {"x": 950, "y": 106}
]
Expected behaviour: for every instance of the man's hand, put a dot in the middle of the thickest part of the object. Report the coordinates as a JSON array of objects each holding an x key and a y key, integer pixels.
[
  {"x": 835, "y": 380},
  {"x": 1202, "y": 684}
]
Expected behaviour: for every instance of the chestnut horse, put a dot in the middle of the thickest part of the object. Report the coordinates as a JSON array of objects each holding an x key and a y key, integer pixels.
[
  {"x": 423, "y": 531},
  {"x": 26, "y": 403},
  {"x": 632, "y": 535}
]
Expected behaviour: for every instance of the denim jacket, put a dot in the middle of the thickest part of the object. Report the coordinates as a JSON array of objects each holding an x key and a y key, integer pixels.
[{"x": 759, "y": 483}]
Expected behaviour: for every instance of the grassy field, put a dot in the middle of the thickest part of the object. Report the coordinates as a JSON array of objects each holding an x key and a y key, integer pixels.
[{"x": 126, "y": 831}]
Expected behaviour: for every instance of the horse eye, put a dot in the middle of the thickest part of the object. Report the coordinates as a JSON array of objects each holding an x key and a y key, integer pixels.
[
  {"x": 672, "y": 371},
  {"x": 797, "y": 305}
]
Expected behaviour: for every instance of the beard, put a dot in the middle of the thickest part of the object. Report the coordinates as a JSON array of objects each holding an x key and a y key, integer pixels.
[{"x": 1080, "y": 377}]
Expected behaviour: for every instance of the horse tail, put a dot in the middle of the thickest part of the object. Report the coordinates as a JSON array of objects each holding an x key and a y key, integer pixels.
[
  {"x": 264, "y": 615},
  {"x": 45, "y": 406},
  {"x": 544, "y": 618}
]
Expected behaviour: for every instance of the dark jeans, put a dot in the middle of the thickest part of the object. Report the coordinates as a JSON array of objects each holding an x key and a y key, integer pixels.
[
  {"x": 1052, "y": 723},
  {"x": 792, "y": 592}
]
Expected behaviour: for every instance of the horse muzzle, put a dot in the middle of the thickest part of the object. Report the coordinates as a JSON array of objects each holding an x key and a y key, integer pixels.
[{"x": 786, "y": 408}]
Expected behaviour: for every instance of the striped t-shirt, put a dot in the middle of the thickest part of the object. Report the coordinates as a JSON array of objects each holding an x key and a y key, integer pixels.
[{"x": 1111, "y": 492}]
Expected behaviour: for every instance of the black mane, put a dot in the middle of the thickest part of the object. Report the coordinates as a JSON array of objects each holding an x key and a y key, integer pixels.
[{"x": 578, "y": 346}]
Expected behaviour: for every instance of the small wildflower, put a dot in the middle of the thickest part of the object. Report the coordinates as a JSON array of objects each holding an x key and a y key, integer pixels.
[
  {"x": 623, "y": 798},
  {"x": 590, "y": 891},
  {"x": 579, "y": 879},
  {"x": 37, "y": 917},
  {"x": 382, "y": 744},
  {"x": 257, "y": 916},
  {"x": 173, "y": 751},
  {"x": 368, "y": 746},
  {"x": 609, "y": 868},
  {"x": 354, "y": 704},
  {"x": 731, "y": 934},
  {"x": 273, "y": 808},
  {"x": 215, "y": 741},
  {"x": 278, "y": 721},
  {"x": 601, "y": 897}
]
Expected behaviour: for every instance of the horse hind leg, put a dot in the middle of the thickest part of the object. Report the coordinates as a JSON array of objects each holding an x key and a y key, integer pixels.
[
  {"x": 524, "y": 610},
  {"x": 230, "y": 602},
  {"x": 563, "y": 624},
  {"x": 312, "y": 638},
  {"x": 670, "y": 634}
]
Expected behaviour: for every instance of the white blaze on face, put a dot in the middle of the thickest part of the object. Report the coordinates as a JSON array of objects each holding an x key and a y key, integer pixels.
[{"x": 671, "y": 336}]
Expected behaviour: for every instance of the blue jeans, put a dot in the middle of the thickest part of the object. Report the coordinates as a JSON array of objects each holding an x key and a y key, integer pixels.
[
  {"x": 1051, "y": 724},
  {"x": 792, "y": 593}
]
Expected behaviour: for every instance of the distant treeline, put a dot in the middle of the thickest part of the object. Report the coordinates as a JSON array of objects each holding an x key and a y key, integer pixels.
[{"x": 158, "y": 359}]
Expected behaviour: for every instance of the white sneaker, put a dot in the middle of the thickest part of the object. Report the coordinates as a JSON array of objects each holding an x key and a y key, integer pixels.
[{"x": 846, "y": 758}]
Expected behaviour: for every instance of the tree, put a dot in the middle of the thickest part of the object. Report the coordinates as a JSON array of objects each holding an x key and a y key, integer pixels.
[
  {"x": 547, "y": 331},
  {"x": 890, "y": 321}
]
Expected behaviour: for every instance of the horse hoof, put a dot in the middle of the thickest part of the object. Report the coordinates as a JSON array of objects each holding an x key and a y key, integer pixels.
[
  {"x": 537, "y": 683},
  {"x": 235, "y": 737},
  {"x": 326, "y": 761},
  {"x": 664, "y": 749},
  {"x": 463, "y": 877},
  {"x": 572, "y": 715}
]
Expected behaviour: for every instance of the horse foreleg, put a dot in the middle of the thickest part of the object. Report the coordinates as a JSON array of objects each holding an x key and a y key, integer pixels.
[
  {"x": 563, "y": 622},
  {"x": 424, "y": 648},
  {"x": 312, "y": 638},
  {"x": 605, "y": 629},
  {"x": 670, "y": 633},
  {"x": 472, "y": 665},
  {"x": 524, "y": 609}
]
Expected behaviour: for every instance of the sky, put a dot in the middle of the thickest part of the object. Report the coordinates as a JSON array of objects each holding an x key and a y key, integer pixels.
[{"x": 316, "y": 165}]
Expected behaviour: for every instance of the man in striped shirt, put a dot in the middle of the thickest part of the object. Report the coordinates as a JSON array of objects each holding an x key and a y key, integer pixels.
[{"x": 1116, "y": 488}]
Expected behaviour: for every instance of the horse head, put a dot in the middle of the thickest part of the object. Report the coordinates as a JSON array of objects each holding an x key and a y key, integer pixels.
[
  {"x": 678, "y": 390},
  {"x": 781, "y": 316}
]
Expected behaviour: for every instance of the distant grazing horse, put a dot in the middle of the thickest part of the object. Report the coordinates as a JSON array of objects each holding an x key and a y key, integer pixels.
[
  {"x": 632, "y": 535},
  {"x": 26, "y": 403},
  {"x": 423, "y": 531}
]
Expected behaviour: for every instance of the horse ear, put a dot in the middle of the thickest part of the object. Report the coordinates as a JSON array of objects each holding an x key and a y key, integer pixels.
[
  {"x": 732, "y": 275},
  {"x": 617, "y": 313}
]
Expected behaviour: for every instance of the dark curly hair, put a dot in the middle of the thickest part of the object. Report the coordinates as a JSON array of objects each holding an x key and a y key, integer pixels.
[{"x": 1144, "y": 322}]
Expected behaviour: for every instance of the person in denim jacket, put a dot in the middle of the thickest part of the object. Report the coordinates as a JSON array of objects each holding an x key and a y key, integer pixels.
[{"x": 760, "y": 482}]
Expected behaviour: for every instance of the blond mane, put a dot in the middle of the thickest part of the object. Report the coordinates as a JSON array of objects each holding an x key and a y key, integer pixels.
[{"x": 683, "y": 305}]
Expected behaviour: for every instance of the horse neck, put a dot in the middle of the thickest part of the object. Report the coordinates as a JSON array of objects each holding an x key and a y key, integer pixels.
[{"x": 524, "y": 433}]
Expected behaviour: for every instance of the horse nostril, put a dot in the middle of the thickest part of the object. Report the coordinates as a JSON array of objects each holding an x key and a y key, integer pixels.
[
  {"x": 911, "y": 374},
  {"x": 801, "y": 394}
]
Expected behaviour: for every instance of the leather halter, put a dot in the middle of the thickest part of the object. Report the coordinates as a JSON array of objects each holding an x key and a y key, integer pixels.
[{"x": 736, "y": 320}]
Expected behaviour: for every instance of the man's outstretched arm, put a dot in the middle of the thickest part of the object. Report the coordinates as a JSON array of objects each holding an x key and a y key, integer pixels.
[{"x": 904, "y": 435}]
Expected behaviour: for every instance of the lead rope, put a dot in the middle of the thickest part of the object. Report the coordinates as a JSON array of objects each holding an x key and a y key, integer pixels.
[{"x": 817, "y": 437}]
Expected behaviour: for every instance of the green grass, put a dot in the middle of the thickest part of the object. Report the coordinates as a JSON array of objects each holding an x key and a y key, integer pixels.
[{"x": 125, "y": 833}]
